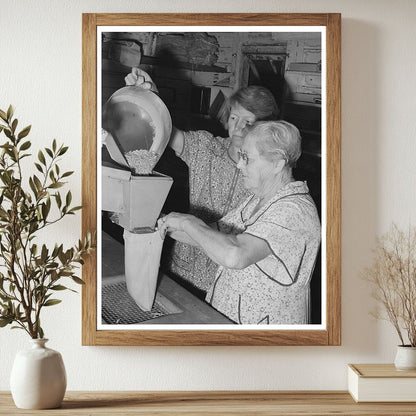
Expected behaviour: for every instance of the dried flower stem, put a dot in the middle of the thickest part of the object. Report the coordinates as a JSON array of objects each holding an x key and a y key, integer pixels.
[{"x": 393, "y": 276}]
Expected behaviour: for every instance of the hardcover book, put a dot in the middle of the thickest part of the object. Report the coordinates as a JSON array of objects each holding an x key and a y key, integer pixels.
[{"x": 381, "y": 383}]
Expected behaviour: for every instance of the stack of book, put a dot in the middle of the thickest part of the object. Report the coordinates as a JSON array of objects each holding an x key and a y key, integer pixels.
[{"x": 381, "y": 383}]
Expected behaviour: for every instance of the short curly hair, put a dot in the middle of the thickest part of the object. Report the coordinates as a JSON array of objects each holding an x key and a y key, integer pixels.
[
  {"x": 277, "y": 138},
  {"x": 258, "y": 100}
]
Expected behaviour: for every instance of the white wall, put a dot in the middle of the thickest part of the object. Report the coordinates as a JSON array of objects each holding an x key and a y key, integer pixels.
[{"x": 40, "y": 74}]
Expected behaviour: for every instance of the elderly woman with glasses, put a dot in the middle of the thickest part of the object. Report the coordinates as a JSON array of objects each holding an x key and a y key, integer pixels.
[{"x": 266, "y": 248}]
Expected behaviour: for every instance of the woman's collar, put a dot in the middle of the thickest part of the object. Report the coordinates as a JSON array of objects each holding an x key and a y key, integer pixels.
[{"x": 294, "y": 187}]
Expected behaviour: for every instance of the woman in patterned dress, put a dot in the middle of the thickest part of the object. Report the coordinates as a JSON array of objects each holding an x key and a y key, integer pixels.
[
  {"x": 215, "y": 183},
  {"x": 266, "y": 248}
]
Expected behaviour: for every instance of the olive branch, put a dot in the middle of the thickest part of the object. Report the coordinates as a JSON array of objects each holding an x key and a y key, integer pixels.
[{"x": 31, "y": 274}]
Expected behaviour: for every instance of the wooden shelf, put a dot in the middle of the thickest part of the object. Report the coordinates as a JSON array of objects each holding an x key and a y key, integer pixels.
[{"x": 179, "y": 403}]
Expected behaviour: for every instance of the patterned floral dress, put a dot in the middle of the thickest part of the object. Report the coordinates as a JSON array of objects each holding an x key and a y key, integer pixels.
[
  {"x": 276, "y": 290},
  {"x": 215, "y": 188}
]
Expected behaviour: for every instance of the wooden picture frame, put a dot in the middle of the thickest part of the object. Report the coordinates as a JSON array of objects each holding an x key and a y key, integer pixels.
[{"x": 327, "y": 334}]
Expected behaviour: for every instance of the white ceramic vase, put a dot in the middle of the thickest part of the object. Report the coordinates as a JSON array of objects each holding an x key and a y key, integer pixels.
[
  {"x": 38, "y": 377},
  {"x": 405, "y": 358}
]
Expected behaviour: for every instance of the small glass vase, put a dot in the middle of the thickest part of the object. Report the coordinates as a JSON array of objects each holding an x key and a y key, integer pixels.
[
  {"x": 38, "y": 377},
  {"x": 405, "y": 358}
]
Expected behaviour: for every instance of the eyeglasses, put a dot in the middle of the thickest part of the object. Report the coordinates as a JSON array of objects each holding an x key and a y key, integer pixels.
[{"x": 244, "y": 156}]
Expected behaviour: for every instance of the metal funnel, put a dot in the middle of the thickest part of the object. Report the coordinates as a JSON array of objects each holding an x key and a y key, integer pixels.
[{"x": 137, "y": 200}]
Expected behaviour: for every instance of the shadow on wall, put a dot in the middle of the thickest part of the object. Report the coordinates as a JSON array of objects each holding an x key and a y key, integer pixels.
[{"x": 360, "y": 186}]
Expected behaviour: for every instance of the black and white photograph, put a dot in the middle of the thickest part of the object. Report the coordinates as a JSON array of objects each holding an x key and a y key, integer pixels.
[{"x": 211, "y": 192}]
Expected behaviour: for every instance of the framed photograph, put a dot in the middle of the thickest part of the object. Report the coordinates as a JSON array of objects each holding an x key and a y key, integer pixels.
[{"x": 163, "y": 96}]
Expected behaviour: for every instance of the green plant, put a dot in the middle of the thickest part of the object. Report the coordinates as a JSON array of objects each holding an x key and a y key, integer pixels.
[
  {"x": 393, "y": 276},
  {"x": 30, "y": 272}
]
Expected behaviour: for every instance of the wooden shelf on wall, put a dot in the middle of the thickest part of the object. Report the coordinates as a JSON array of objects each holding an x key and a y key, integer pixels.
[{"x": 180, "y": 403}]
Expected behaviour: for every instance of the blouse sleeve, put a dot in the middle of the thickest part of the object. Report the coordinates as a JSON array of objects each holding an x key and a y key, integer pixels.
[{"x": 195, "y": 142}]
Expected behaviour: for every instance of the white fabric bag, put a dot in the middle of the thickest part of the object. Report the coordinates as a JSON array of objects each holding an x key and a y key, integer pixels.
[{"x": 141, "y": 261}]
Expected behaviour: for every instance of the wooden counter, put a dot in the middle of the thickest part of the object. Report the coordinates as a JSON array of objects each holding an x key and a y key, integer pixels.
[{"x": 317, "y": 403}]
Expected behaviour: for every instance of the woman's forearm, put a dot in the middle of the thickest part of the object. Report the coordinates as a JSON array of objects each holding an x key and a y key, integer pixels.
[
  {"x": 222, "y": 248},
  {"x": 183, "y": 238},
  {"x": 228, "y": 250},
  {"x": 177, "y": 140}
]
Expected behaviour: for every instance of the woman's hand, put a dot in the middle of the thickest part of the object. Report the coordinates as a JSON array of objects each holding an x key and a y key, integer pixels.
[
  {"x": 104, "y": 135},
  {"x": 173, "y": 222},
  {"x": 140, "y": 78}
]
